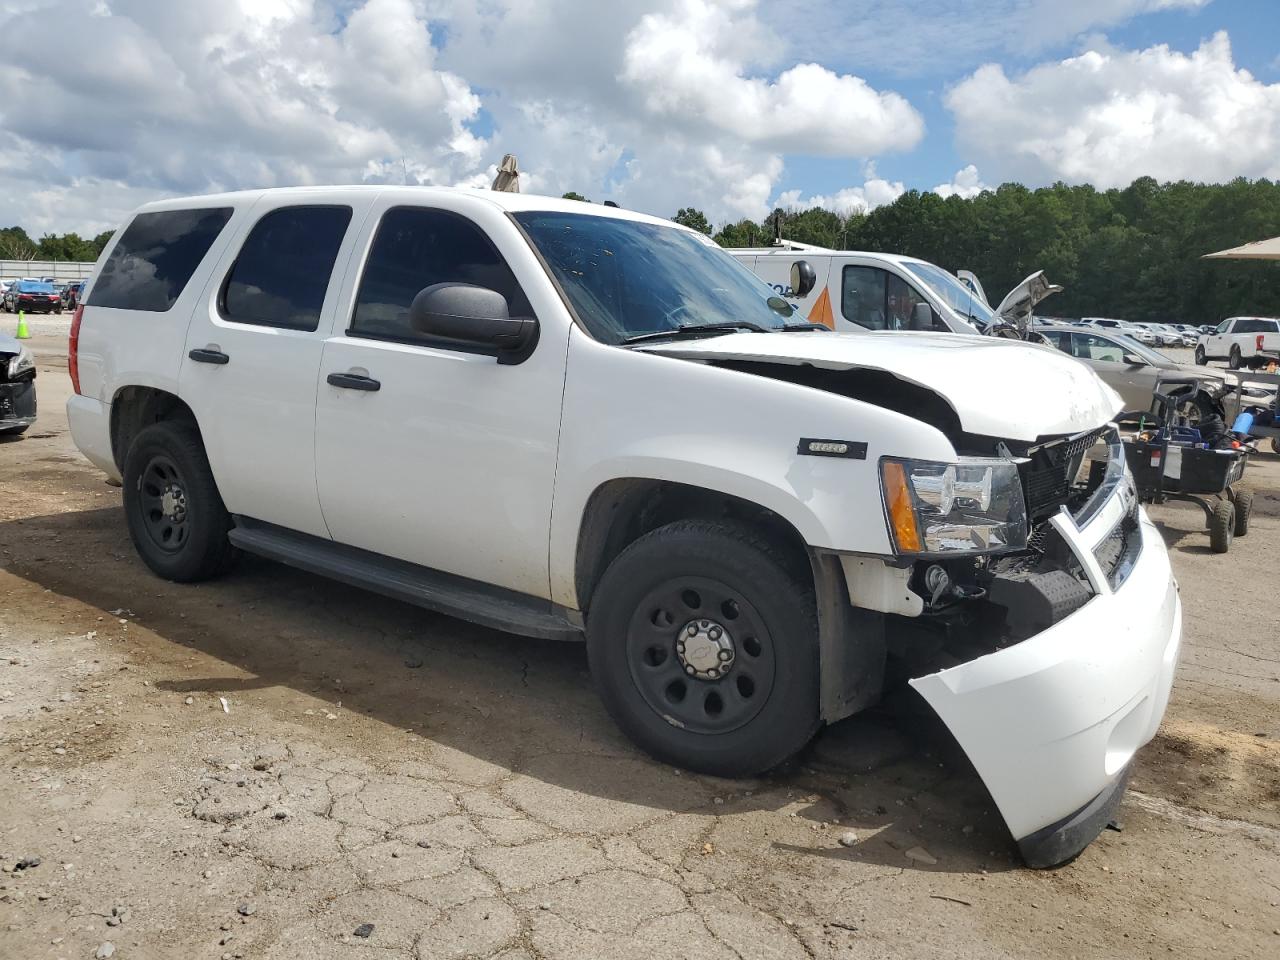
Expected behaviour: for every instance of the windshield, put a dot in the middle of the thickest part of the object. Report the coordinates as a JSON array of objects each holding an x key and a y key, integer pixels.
[
  {"x": 626, "y": 279},
  {"x": 953, "y": 293}
]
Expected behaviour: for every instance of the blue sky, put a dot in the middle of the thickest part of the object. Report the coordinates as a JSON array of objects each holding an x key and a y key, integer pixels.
[
  {"x": 732, "y": 106},
  {"x": 1252, "y": 25}
]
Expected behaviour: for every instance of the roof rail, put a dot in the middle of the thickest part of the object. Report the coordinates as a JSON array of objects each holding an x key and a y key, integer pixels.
[{"x": 783, "y": 245}]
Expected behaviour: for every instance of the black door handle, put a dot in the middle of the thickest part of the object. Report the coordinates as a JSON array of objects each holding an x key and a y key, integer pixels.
[
  {"x": 209, "y": 356},
  {"x": 353, "y": 381}
]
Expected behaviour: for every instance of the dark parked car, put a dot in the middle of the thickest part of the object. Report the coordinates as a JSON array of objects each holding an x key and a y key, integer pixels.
[
  {"x": 17, "y": 387},
  {"x": 33, "y": 296},
  {"x": 71, "y": 294}
]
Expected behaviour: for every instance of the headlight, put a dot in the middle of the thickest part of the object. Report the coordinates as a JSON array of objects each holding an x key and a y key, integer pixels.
[
  {"x": 23, "y": 362},
  {"x": 972, "y": 506}
]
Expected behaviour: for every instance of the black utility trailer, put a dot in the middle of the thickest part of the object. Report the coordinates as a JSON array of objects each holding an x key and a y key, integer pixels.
[{"x": 1170, "y": 461}]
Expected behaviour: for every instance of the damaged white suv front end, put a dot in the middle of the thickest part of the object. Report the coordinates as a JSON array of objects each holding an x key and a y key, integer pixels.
[{"x": 1025, "y": 594}]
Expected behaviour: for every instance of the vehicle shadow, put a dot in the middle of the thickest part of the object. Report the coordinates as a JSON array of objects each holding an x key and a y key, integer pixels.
[{"x": 893, "y": 776}]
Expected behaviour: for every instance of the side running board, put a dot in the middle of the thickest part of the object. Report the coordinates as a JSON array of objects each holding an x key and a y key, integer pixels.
[{"x": 456, "y": 596}]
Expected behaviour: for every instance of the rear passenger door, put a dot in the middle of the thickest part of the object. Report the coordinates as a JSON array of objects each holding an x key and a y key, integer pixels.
[{"x": 253, "y": 353}]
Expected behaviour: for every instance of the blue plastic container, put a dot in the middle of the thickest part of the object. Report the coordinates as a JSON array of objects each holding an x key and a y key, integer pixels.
[{"x": 1243, "y": 424}]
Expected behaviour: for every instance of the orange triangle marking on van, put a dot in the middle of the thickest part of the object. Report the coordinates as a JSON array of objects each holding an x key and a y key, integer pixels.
[{"x": 821, "y": 312}]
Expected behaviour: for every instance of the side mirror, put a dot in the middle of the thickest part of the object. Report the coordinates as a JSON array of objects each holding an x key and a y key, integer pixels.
[
  {"x": 803, "y": 278},
  {"x": 1133, "y": 360},
  {"x": 921, "y": 317},
  {"x": 473, "y": 315}
]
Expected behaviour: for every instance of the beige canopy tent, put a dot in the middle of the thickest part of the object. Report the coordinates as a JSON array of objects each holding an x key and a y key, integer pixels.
[{"x": 1258, "y": 250}]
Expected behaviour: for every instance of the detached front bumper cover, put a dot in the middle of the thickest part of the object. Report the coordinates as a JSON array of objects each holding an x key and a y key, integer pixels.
[{"x": 1052, "y": 723}]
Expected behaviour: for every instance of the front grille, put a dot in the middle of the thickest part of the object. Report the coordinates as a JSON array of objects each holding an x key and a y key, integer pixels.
[
  {"x": 1050, "y": 471},
  {"x": 1118, "y": 551}
]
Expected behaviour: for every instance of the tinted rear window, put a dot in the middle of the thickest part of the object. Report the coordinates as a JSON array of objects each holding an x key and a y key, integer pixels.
[
  {"x": 155, "y": 258},
  {"x": 281, "y": 275}
]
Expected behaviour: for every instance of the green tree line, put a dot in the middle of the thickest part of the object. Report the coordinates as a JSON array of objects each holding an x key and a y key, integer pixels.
[
  {"x": 16, "y": 244},
  {"x": 1132, "y": 253}
]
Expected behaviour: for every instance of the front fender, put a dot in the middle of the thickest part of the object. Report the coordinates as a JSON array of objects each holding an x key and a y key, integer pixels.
[{"x": 634, "y": 415}]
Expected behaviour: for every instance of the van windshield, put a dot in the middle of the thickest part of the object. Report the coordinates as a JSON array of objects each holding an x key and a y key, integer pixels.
[
  {"x": 626, "y": 279},
  {"x": 953, "y": 293}
]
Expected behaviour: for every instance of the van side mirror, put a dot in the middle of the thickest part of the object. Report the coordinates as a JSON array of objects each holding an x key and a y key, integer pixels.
[
  {"x": 921, "y": 317},
  {"x": 473, "y": 315},
  {"x": 803, "y": 278}
]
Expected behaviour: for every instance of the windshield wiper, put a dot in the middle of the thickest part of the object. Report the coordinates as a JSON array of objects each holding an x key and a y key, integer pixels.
[
  {"x": 697, "y": 330},
  {"x": 790, "y": 327}
]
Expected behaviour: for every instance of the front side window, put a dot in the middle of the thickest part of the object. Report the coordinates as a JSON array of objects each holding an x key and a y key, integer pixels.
[
  {"x": 282, "y": 272},
  {"x": 879, "y": 300},
  {"x": 414, "y": 248},
  {"x": 863, "y": 295},
  {"x": 155, "y": 257},
  {"x": 1223, "y": 327},
  {"x": 1088, "y": 346},
  {"x": 626, "y": 278}
]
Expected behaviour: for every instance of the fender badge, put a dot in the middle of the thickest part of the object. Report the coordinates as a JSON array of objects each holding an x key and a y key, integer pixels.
[{"x": 849, "y": 449}]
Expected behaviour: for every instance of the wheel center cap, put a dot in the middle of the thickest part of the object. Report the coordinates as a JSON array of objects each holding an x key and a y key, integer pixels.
[
  {"x": 705, "y": 649},
  {"x": 173, "y": 503}
]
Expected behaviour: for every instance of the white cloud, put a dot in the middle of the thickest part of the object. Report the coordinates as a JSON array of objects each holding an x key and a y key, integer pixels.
[
  {"x": 1109, "y": 116},
  {"x": 874, "y": 192},
  {"x": 690, "y": 68},
  {"x": 966, "y": 183},
  {"x": 612, "y": 100}
]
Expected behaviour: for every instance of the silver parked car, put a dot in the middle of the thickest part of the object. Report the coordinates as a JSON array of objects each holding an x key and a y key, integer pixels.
[{"x": 1127, "y": 366}]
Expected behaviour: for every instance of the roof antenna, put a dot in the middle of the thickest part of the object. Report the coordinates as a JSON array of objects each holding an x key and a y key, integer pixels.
[{"x": 405, "y": 165}]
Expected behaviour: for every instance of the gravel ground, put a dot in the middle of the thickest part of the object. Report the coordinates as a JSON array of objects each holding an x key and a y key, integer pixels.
[{"x": 278, "y": 766}]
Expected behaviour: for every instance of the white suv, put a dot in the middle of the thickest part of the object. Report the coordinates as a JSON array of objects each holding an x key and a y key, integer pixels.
[{"x": 571, "y": 421}]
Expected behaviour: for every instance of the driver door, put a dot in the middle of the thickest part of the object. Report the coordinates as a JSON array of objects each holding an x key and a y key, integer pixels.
[{"x": 428, "y": 450}]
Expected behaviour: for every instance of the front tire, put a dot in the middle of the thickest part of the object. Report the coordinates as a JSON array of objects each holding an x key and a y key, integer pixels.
[
  {"x": 175, "y": 515},
  {"x": 703, "y": 644},
  {"x": 1222, "y": 526}
]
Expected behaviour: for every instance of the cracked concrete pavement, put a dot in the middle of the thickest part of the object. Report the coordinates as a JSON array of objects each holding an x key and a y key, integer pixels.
[{"x": 463, "y": 792}]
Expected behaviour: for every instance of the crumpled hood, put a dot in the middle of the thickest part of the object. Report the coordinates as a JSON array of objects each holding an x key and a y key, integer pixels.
[{"x": 997, "y": 387}]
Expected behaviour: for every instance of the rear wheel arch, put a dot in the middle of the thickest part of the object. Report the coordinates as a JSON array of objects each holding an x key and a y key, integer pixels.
[{"x": 134, "y": 408}]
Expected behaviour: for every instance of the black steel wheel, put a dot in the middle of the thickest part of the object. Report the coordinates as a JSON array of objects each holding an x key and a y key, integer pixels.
[
  {"x": 164, "y": 503},
  {"x": 176, "y": 517},
  {"x": 702, "y": 641},
  {"x": 700, "y": 654}
]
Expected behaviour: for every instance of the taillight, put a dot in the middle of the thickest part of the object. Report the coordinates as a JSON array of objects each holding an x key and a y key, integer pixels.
[{"x": 73, "y": 349}]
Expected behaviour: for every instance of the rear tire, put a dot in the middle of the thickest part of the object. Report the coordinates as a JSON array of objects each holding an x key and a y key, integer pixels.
[
  {"x": 1201, "y": 359},
  {"x": 1233, "y": 359},
  {"x": 1244, "y": 511},
  {"x": 674, "y": 601},
  {"x": 176, "y": 517},
  {"x": 1222, "y": 526}
]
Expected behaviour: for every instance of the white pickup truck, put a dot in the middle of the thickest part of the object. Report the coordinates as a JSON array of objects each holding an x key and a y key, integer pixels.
[
  {"x": 577, "y": 422},
  {"x": 1252, "y": 342}
]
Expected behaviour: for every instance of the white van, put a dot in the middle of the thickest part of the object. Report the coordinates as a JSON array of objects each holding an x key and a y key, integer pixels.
[{"x": 858, "y": 290}]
